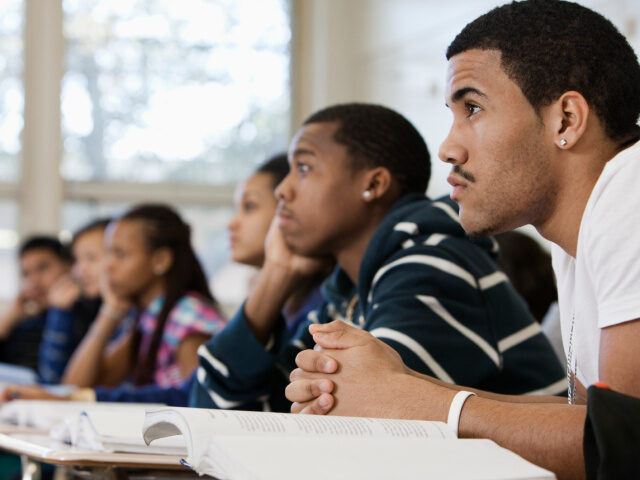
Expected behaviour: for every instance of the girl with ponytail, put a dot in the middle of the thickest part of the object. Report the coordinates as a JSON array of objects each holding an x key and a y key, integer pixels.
[{"x": 150, "y": 264}]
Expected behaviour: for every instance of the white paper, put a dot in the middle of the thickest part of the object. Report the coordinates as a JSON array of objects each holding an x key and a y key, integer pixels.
[
  {"x": 264, "y": 446},
  {"x": 113, "y": 428}
]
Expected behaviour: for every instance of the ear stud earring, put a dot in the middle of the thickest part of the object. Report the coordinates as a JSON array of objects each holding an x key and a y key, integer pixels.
[
  {"x": 563, "y": 142},
  {"x": 366, "y": 194}
]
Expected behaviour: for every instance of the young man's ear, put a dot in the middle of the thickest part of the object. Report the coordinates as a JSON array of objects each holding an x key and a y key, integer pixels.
[
  {"x": 377, "y": 183},
  {"x": 570, "y": 114},
  {"x": 161, "y": 261}
]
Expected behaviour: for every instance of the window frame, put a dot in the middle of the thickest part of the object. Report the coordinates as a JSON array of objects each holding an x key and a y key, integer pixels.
[{"x": 40, "y": 190}]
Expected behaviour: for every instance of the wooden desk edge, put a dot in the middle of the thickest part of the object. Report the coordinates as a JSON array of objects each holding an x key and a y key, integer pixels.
[{"x": 118, "y": 460}]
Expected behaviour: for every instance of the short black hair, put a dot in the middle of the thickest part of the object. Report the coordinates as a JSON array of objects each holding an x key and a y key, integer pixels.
[
  {"x": 377, "y": 136},
  {"x": 276, "y": 166},
  {"x": 45, "y": 242},
  {"x": 549, "y": 47}
]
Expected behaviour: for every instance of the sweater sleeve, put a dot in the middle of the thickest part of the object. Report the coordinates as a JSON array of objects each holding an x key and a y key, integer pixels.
[
  {"x": 57, "y": 345},
  {"x": 237, "y": 372},
  {"x": 435, "y": 308},
  {"x": 172, "y": 396}
]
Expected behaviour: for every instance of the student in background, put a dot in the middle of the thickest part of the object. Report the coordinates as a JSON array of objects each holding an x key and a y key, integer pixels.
[
  {"x": 149, "y": 262},
  {"x": 529, "y": 268},
  {"x": 43, "y": 261},
  {"x": 255, "y": 207},
  {"x": 74, "y": 302}
]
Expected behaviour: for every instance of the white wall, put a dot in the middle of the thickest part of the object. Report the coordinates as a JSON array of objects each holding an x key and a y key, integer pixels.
[{"x": 392, "y": 52}]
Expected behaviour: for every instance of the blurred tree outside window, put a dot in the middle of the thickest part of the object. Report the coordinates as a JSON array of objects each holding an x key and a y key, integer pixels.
[
  {"x": 8, "y": 249},
  {"x": 11, "y": 90},
  {"x": 11, "y": 123},
  {"x": 190, "y": 91}
]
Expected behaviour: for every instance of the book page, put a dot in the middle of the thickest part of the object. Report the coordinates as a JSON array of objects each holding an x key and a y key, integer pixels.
[
  {"x": 233, "y": 422},
  {"x": 373, "y": 459},
  {"x": 207, "y": 431},
  {"x": 113, "y": 428},
  {"x": 42, "y": 414},
  {"x": 256, "y": 423},
  {"x": 259, "y": 445},
  {"x": 46, "y": 448},
  {"x": 45, "y": 414}
]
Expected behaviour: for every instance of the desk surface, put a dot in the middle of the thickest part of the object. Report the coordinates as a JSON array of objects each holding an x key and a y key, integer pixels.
[
  {"x": 42, "y": 448},
  {"x": 10, "y": 428}
]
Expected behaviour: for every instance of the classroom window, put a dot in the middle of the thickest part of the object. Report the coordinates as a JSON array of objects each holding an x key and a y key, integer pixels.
[
  {"x": 11, "y": 123},
  {"x": 8, "y": 249},
  {"x": 190, "y": 91},
  {"x": 11, "y": 90}
]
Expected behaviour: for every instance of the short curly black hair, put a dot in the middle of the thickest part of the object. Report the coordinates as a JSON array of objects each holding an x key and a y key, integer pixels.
[
  {"x": 45, "y": 242},
  {"x": 376, "y": 136},
  {"x": 549, "y": 47}
]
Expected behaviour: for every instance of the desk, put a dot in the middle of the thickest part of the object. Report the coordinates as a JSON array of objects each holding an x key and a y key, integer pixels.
[
  {"x": 11, "y": 428},
  {"x": 40, "y": 448}
]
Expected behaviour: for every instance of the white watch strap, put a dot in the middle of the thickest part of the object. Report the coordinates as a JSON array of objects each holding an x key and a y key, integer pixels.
[{"x": 456, "y": 409}]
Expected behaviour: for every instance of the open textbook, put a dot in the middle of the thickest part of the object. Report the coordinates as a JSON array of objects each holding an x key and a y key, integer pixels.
[
  {"x": 113, "y": 428},
  {"x": 101, "y": 427},
  {"x": 39, "y": 414},
  {"x": 44, "y": 448},
  {"x": 262, "y": 446}
]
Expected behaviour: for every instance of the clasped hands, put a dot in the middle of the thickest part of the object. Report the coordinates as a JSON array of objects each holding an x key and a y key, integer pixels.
[{"x": 350, "y": 372}]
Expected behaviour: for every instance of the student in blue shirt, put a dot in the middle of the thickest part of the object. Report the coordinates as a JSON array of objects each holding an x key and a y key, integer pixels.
[
  {"x": 74, "y": 302},
  {"x": 255, "y": 207},
  {"x": 43, "y": 260}
]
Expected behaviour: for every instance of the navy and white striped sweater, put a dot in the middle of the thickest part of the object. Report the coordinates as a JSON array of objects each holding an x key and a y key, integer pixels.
[{"x": 425, "y": 288}]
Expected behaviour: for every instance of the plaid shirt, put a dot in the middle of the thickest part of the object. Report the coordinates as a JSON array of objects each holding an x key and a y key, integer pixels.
[{"x": 191, "y": 315}]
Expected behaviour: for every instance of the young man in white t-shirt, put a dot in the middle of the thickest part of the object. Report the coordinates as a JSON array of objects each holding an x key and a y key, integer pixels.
[{"x": 545, "y": 97}]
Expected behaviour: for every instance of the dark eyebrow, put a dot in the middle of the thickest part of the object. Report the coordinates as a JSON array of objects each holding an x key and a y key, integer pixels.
[
  {"x": 302, "y": 151},
  {"x": 461, "y": 92}
]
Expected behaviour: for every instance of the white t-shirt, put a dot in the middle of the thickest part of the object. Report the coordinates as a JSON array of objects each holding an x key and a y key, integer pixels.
[{"x": 601, "y": 286}]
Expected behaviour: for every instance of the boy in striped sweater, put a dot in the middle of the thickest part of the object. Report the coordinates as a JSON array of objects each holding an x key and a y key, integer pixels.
[{"x": 406, "y": 272}]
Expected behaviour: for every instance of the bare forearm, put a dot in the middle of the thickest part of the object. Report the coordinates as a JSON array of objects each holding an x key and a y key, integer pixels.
[
  {"x": 263, "y": 307},
  {"x": 357, "y": 374},
  {"x": 85, "y": 367},
  {"x": 495, "y": 396},
  {"x": 7, "y": 323},
  {"x": 546, "y": 434}
]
